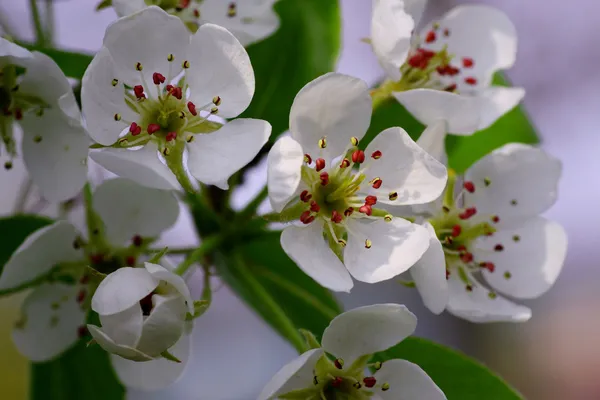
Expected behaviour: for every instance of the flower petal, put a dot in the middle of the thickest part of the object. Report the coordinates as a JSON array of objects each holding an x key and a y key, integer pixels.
[
  {"x": 395, "y": 247},
  {"x": 128, "y": 7},
  {"x": 367, "y": 330},
  {"x": 214, "y": 157},
  {"x": 147, "y": 37},
  {"x": 220, "y": 66},
  {"x": 433, "y": 141},
  {"x": 55, "y": 153},
  {"x": 110, "y": 346},
  {"x": 415, "y": 8},
  {"x": 50, "y": 322},
  {"x": 407, "y": 382},
  {"x": 334, "y": 106},
  {"x": 429, "y": 274},
  {"x": 296, "y": 375},
  {"x": 39, "y": 253},
  {"x": 405, "y": 168},
  {"x": 11, "y": 53},
  {"x": 141, "y": 166},
  {"x": 165, "y": 325},
  {"x": 391, "y": 33},
  {"x": 497, "y": 101},
  {"x": 156, "y": 374},
  {"x": 514, "y": 182},
  {"x": 101, "y": 100},
  {"x": 479, "y": 305},
  {"x": 461, "y": 113},
  {"x": 284, "y": 171},
  {"x": 161, "y": 273},
  {"x": 122, "y": 289},
  {"x": 533, "y": 254},
  {"x": 128, "y": 209},
  {"x": 307, "y": 247},
  {"x": 125, "y": 327}
]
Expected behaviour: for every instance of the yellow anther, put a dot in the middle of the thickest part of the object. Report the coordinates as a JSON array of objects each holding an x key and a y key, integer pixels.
[
  {"x": 368, "y": 244},
  {"x": 216, "y": 101},
  {"x": 37, "y": 139},
  {"x": 170, "y": 57},
  {"x": 185, "y": 64},
  {"x": 123, "y": 142},
  {"x": 115, "y": 82},
  {"x": 181, "y": 114},
  {"x": 214, "y": 110},
  {"x": 342, "y": 242},
  {"x": 139, "y": 66},
  {"x": 166, "y": 151},
  {"x": 354, "y": 141},
  {"x": 232, "y": 10},
  {"x": 393, "y": 196},
  {"x": 190, "y": 138},
  {"x": 323, "y": 143},
  {"x": 388, "y": 218},
  {"x": 385, "y": 386},
  {"x": 117, "y": 117}
]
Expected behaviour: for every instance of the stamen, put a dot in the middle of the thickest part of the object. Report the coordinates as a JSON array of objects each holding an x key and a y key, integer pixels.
[
  {"x": 456, "y": 230},
  {"x": 345, "y": 163},
  {"x": 8, "y": 165},
  {"x": 354, "y": 141},
  {"x": 314, "y": 207},
  {"x": 323, "y": 142},
  {"x": 185, "y": 64},
  {"x": 305, "y": 196},
  {"x": 385, "y": 387},
  {"x": 135, "y": 129},
  {"x": 357, "y": 385},
  {"x": 393, "y": 196},
  {"x": 82, "y": 331},
  {"x": 216, "y": 100},
  {"x": 358, "y": 157},
  {"x": 153, "y": 128},
  {"x": 487, "y": 181},
  {"x": 365, "y": 209},
  {"x": 348, "y": 211},
  {"x": 468, "y": 213},
  {"x": 466, "y": 257},
  {"x": 80, "y": 296},
  {"x": 342, "y": 242},
  {"x": 339, "y": 363},
  {"x": 370, "y": 200},
  {"x": 377, "y": 182},
  {"x": 307, "y": 159},
  {"x": 170, "y": 57},
  {"x": 192, "y": 108},
  {"x": 319, "y": 164},
  {"x": 306, "y": 217},
  {"x": 471, "y": 80},
  {"x": 388, "y": 218},
  {"x": 368, "y": 244},
  {"x": 488, "y": 265},
  {"x": 232, "y": 10},
  {"x": 190, "y": 138},
  {"x": 469, "y": 186},
  {"x": 430, "y": 37},
  {"x": 376, "y": 155},
  {"x": 139, "y": 66},
  {"x": 495, "y": 219},
  {"x": 336, "y": 217},
  {"x": 507, "y": 275},
  {"x": 467, "y": 62},
  {"x": 138, "y": 90},
  {"x": 369, "y": 381},
  {"x": 137, "y": 240},
  {"x": 157, "y": 78},
  {"x": 324, "y": 178},
  {"x": 114, "y": 82}
]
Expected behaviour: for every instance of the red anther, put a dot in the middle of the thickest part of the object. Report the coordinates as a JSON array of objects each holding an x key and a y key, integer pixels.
[
  {"x": 495, "y": 219},
  {"x": 430, "y": 37},
  {"x": 158, "y": 78},
  {"x": 82, "y": 331},
  {"x": 169, "y": 88},
  {"x": 456, "y": 230},
  {"x": 467, "y": 62},
  {"x": 171, "y": 136},
  {"x": 345, "y": 163},
  {"x": 84, "y": 279},
  {"x": 426, "y": 53},
  {"x": 176, "y": 92},
  {"x": 18, "y": 114},
  {"x": 358, "y": 156},
  {"x": 196, "y": 13},
  {"x": 376, "y": 154},
  {"x": 348, "y": 211},
  {"x": 309, "y": 219},
  {"x": 192, "y": 108},
  {"x": 462, "y": 247},
  {"x": 469, "y": 288},
  {"x": 319, "y": 164},
  {"x": 338, "y": 364},
  {"x": 469, "y": 186},
  {"x": 488, "y": 265},
  {"x": 81, "y": 296},
  {"x": 135, "y": 129},
  {"x": 447, "y": 273},
  {"x": 468, "y": 213},
  {"x": 489, "y": 233},
  {"x": 307, "y": 159},
  {"x": 314, "y": 207},
  {"x": 419, "y": 60},
  {"x": 470, "y": 80},
  {"x": 304, "y": 216},
  {"x": 466, "y": 257},
  {"x": 305, "y": 196},
  {"x": 184, "y": 3},
  {"x": 369, "y": 381},
  {"x": 137, "y": 240},
  {"x": 97, "y": 258},
  {"x": 130, "y": 261},
  {"x": 152, "y": 128},
  {"x": 366, "y": 209},
  {"x": 324, "y": 178},
  {"x": 370, "y": 200},
  {"x": 498, "y": 247},
  {"x": 377, "y": 183},
  {"x": 336, "y": 217},
  {"x": 446, "y": 32},
  {"x": 337, "y": 382},
  {"x": 138, "y": 90},
  {"x": 450, "y": 88}
]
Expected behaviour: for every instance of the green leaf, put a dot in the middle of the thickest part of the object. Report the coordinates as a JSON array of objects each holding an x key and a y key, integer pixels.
[
  {"x": 14, "y": 230},
  {"x": 72, "y": 63},
  {"x": 459, "y": 377},
  {"x": 104, "y": 4},
  {"x": 463, "y": 151},
  {"x": 305, "y": 46},
  {"x": 83, "y": 372}
]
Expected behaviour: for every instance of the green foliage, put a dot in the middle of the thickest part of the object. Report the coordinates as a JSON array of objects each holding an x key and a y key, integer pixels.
[
  {"x": 460, "y": 377},
  {"x": 14, "y": 230},
  {"x": 305, "y": 46},
  {"x": 72, "y": 63}
]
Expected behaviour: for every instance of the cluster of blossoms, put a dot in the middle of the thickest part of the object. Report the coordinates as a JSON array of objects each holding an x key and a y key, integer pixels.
[{"x": 159, "y": 110}]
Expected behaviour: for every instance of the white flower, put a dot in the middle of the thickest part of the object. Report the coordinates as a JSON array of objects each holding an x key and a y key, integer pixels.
[
  {"x": 40, "y": 100},
  {"x": 446, "y": 72},
  {"x": 249, "y": 20},
  {"x": 54, "y": 313},
  {"x": 147, "y": 51},
  {"x": 352, "y": 338},
  {"x": 143, "y": 314},
  {"x": 341, "y": 227},
  {"x": 497, "y": 234}
]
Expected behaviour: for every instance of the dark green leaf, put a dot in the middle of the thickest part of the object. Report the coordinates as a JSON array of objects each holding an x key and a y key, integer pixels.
[
  {"x": 14, "y": 230},
  {"x": 104, "y": 4},
  {"x": 72, "y": 63},
  {"x": 460, "y": 377},
  {"x": 305, "y": 47}
]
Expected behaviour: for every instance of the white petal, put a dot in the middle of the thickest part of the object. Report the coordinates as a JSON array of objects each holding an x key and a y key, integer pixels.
[
  {"x": 125, "y": 327},
  {"x": 477, "y": 305},
  {"x": 367, "y": 330},
  {"x": 461, "y": 113},
  {"x": 101, "y": 101},
  {"x": 147, "y": 37},
  {"x": 57, "y": 163},
  {"x": 334, "y": 106},
  {"x": 405, "y": 168},
  {"x": 39, "y": 253},
  {"x": 296, "y": 375},
  {"x": 497, "y": 101},
  {"x": 429, "y": 274},
  {"x": 165, "y": 325},
  {"x": 128, "y": 209},
  {"x": 166, "y": 276},
  {"x": 155, "y": 374},
  {"x": 128, "y": 7},
  {"x": 284, "y": 171},
  {"x": 307, "y": 247},
  {"x": 407, "y": 382},
  {"x": 433, "y": 141},
  {"x": 391, "y": 32},
  {"x": 534, "y": 261},
  {"x": 220, "y": 66},
  {"x": 110, "y": 346},
  {"x": 523, "y": 182},
  {"x": 415, "y": 8},
  {"x": 141, "y": 166},
  {"x": 482, "y": 33},
  {"x": 122, "y": 289},
  {"x": 214, "y": 157},
  {"x": 11, "y": 53},
  {"x": 395, "y": 247},
  {"x": 51, "y": 320}
]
